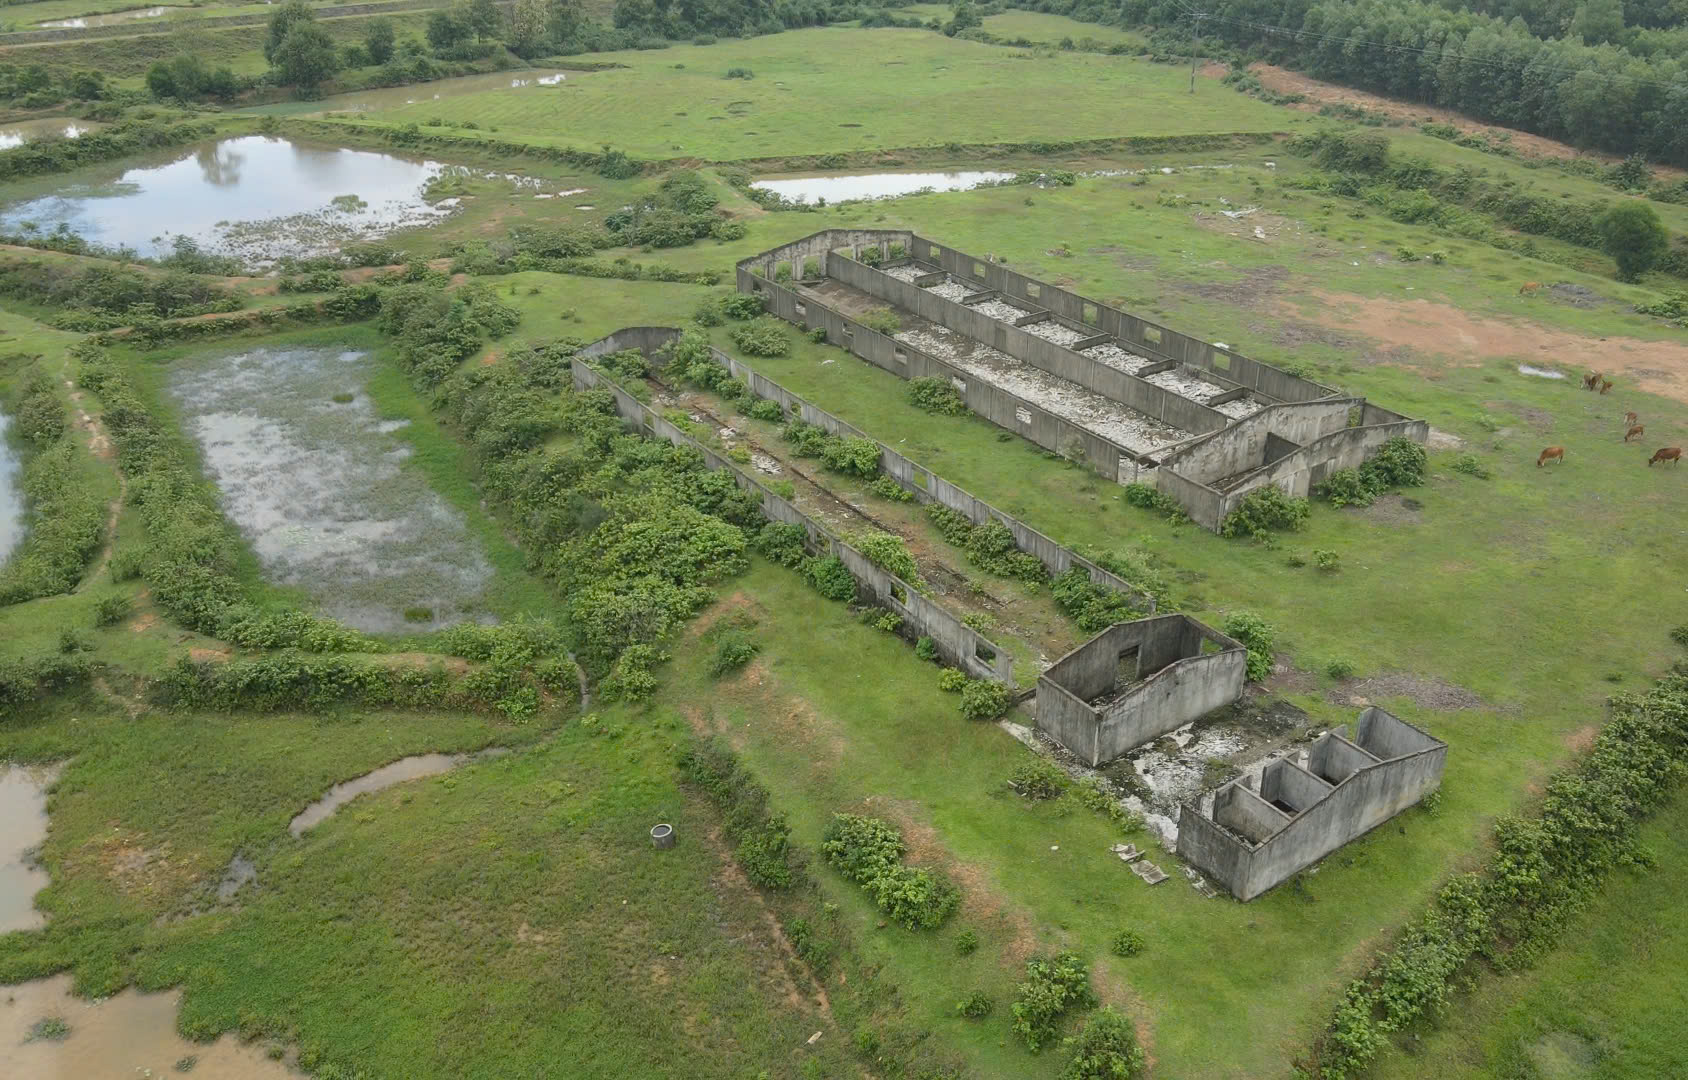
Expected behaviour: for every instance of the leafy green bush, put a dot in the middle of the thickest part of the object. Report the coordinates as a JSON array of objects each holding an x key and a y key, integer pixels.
[
  {"x": 765, "y": 409},
  {"x": 861, "y": 848},
  {"x": 851, "y": 455},
  {"x": 1150, "y": 498},
  {"x": 1470, "y": 466},
  {"x": 632, "y": 677},
  {"x": 1094, "y": 607},
  {"x": 887, "y": 488},
  {"x": 733, "y": 650},
  {"x": 1126, "y": 943},
  {"x": 1340, "y": 669},
  {"x": 831, "y": 578},
  {"x": 1105, "y": 1050},
  {"x": 868, "y": 851},
  {"x": 914, "y": 897},
  {"x": 1257, "y": 636},
  {"x": 783, "y": 543},
  {"x": 1327, "y": 560},
  {"x": 966, "y": 942},
  {"x": 1038, "y": 778},
  {"x": 985, "y": 699},
  {"x": 888, "y": 553},
  {"x": 765, "y": 850},
  {"x": 1263, "y": 510},
  {"x": 952, "y": 680},
  {"x": 883, "y": 320},
  {"x": 806, "y": 439},
  {"x": 1052, "y": 987},
  {"x": 935, "y": 395},
  {"x": 762, "y": 337},
  {"x": 23, "y": 681},
  {"x": 1347, "y": 487},
  {"x": 926, "y": 649},
  {"x": 110, "y": 610},
  {"x": 976, "y": 1006},
  {"x": 742, "y": 306},
  {"x": 1679, "y": 634}
]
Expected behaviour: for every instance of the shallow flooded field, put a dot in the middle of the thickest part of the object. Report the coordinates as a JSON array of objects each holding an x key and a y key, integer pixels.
[
  {"x": 22, "y": 131},
  {"x": 11, "y": 496},
  {"x": 255, "y": 197},
  {"x": 889, "y": 185},
  {"x": 316, "y": 482},
  {"x": 23, "y": 825}
]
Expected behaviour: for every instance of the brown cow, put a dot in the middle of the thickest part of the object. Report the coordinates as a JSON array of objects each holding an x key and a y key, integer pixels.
[
  {"x": 1591, "y": 381},
  {"x": 1605, "y": 384},
  {"x": 1668, "y": 453},
  {"x": 1631, "y": 418},
  {"x": 1552, "y": 453},
  {"x": 1638, "y": 429}
]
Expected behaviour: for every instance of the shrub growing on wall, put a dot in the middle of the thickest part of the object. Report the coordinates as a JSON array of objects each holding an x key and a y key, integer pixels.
[
  {"x": 888, "y": 553},
  {"x": 935, "y": 395},
  {"x": 831, "y": 578},
  {"x": 1257, "y": 636},
  {"x": 984, "y": 699},
  {"x": 1263, "y": 510},
  {"x": 762, "y": 337}
]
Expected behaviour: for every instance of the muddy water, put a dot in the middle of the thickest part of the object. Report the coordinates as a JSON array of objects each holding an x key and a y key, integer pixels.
[
  {"x": 256, "y": 197},
  {"x": 11, "y": 495},
  {"x": 320, "y": 489},
  {"x": 110, "y": 18},
  {"x": 410, "y": 768},
  {"x": 124, "y": 1037},
  {"x": 393, "y": 97},
  {"x": 23, "y": 825},
  {"x": 875, "y": 185},
  {"x": 17, "y": 134}
]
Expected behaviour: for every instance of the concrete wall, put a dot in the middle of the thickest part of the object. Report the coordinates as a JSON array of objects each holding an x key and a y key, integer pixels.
[
  {"x": 1242, "y": 811},
  {"x": 1006, "y": 410},
  {"x": 1180, "y": 684},
  {"x": 817, "y": 246},
  {"x": 1145, "y": 397},
  {"x": 1373, "y": 793},
  {"x": 959, "y": 644},
  {"x": 928, "y": 486}
]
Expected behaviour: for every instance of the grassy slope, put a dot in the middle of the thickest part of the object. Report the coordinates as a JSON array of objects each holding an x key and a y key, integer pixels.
[{"x": 833, "y": 89}]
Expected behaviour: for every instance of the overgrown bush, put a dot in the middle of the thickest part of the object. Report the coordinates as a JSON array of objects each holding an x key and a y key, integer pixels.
[
  {"x": 883, "y": 320},
  {"x": 1038, "y": 778},
  {"x": 1094, "y": 607},
  {"x": 765, "y": 336},
  {"x": 952, "y": 680},
  {"x": 1105, "y": 1050},
  {"x": 1052, "y": 988},
  {"x": 1398, "y": 463},
  {"x": 783, "y": 543},
  {"x": 967, "y": 942},
  {"x": 1263, "y": 510},
  {"x": 926, "y": 649},
  {"x": 831, "y": 578},
  {"x": 1257, "y": 636},
  {"x": 111, "y": 610},
  {"x": 976, "y": 1006},
  {"x": 886, "y": 487},
  {"x": 869, "y": 851},
  {"x": 1470, "y": 466},
  {"x": 851, "y": 455},
  {"x": 888, "y": 553},
  {"x": 764, "y": 849},
  {"x": 985, "y": 699},
  {"x": 765, "y": 409},
  {"x": 935, "y": 395},
  {"x": 1150, "y": 498},
  {"x": 23, "y": 681},
  {"x": 733, "y": 650},
  {"x": 1126, "y": 943}
]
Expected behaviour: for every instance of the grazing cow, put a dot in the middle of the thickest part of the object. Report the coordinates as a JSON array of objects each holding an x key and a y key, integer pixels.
[
  {"x": 1605, "y": 384},
  {"x": 1530, "y": 288},
  {"x": 1668, "y": 453},
  {"x": 1552, "y": 453},
  {"x": 1638, "y": 429},
  {"x": 1591, "y": 381},
  {"x": 1631, "y": 418}
]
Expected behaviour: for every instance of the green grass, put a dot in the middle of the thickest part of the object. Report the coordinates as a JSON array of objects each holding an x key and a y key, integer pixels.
[{"x": 833, "y": 90}]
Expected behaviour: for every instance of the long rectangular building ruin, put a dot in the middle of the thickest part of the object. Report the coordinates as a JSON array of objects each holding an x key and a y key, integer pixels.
[
  {"x": 1135, "y": 401},
  {"x": 1253, "y": 840}
]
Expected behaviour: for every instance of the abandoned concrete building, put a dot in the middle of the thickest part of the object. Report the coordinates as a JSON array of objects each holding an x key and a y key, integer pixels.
[
  {"x": 1134, "y": 400},
  {"x": 1253, "y": 840},
  {"x": 1136, "y": 681}
]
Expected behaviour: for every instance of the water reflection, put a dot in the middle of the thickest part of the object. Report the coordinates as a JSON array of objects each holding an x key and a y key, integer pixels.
[
  {"x": 11, "y": 495},
  {"x": 875, "y": 185}
]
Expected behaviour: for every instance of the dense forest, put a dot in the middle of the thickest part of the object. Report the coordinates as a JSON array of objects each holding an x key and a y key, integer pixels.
[{"x": 1625, "y": 94}]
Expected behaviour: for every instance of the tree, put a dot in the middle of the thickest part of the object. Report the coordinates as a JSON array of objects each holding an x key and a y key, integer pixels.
[
  {"x": 447, "y": 30},
  {"x": 529, "y": 23},
  {"x": 378, "y": 40},
  {"x": 306, "y": 56},
  {"x": 483, "y": 18},
  {"x": 285, "y": 18},
  {"x": 1633, "y": 234},
  {"x": 565, "y": 21}
]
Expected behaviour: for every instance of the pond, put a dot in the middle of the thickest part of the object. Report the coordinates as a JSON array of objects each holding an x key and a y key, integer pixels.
[
  {"x": 317, "y": 483},
  {"x": 415, "y": 767},
  {"x": 110, "y": 18},
  {"x": 15, "y": 135},
  {"x": 813, "y": 189},
  {"x": 11, "y": 495},
  {"x": 47, "y": 1032},
  {"x": 23, "y": 825},
  {"x": 255, "y": 197}
]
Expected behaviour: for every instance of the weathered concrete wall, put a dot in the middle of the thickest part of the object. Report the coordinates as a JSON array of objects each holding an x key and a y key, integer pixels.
[
  {"x": 1242, "y": 446},
  {"x": 928, "y": 486},
  {"x": 1375, "y": 791},
  {"x": 1145, "y": 397},
  {"x": 958, "y": 643},
  {"x": 1008, "y": 411},
  {"x": 1285, "y": 781},
  {"x": 818, "y": 246},
  {"x": 1179, "y": 684},
  {"x": 1242, "y": 811},
  {"x": 1150, "y": 339}
]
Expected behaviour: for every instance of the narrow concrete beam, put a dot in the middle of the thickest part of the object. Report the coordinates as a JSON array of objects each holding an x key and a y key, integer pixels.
[
  {"x": 1155, "y": 369},
  {"x": 1091, "y": 342},
  {"x": 1036, "y": 316},
  {"x": 1229, "y": 395},
  {"x": 979, "y": 297},
  {"x": 926, "y": 281}
]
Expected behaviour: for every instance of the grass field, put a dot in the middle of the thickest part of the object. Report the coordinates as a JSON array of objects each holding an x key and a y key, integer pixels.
[
  {"x": 832, "y": 90},
  {"x": 474, "y": 925}
]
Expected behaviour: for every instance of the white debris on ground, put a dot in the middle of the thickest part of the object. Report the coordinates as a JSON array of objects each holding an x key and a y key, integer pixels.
[
  {"x": 1052, "y": 331},
  {"x": 1185, "y": 385},
  {"x": 1087, "y": 409},
  {"x": 1239, "y": 409},
  {"x": 906, "y": 272},
  {"x": 997, "y": 309},
  {"x": 949, "y": 290},
  {"x": 1118, "y": 358},
  {"x": 765, "y": 464}
]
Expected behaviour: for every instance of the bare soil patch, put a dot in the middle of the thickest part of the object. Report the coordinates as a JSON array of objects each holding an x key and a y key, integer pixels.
[
  {"x": 1391, "y": 509},
  {"x": 1429, "y": 328},
  {"x": 1259, "y": 285},
  {"x": 1425, "y": 691}
]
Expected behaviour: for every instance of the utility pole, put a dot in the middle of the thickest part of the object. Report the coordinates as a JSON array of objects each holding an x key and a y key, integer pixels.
[{"x": 1195, "y": 48}]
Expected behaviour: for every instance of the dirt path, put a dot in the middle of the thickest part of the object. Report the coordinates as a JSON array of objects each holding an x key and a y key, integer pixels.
[
  {"x": 99, "y": 444},
  {"x": 1428, "y": 328},
  {"x": 1320, "y": 94}
]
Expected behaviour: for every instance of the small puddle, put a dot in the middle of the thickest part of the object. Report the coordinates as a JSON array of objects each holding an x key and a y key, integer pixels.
[
  {"x": 241, "y": 872},
  {"x": 15, "y": 135},
  {"x": 110, "y": 18},
  {"x": 256, "y": 197},
  {"x": 11, "y": 494},
  {"x": 875, "y": 185},
  {"x": 130, "y": 1035},
  {"x": 410, "y": 768},
  {"x": 318, "y": 485},
  {"x": 23, "y": 826},
  {"x": 1540, "y": 373},
  {"x": 398, "y": 97}
]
